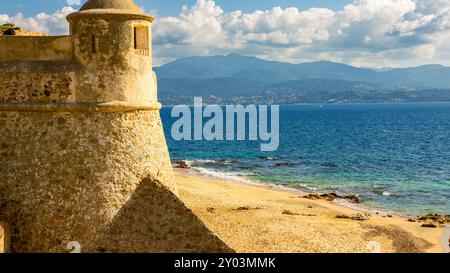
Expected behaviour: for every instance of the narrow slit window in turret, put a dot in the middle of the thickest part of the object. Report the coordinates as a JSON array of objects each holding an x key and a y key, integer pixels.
[{"x": 94, "y": 44}]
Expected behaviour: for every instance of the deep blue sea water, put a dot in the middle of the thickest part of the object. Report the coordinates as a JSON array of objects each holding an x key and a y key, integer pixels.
[{"x": 395, "y": 156}]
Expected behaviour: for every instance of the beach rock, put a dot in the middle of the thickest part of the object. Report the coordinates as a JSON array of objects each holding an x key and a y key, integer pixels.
[
  {"x": 435, "y": 218},
  {"x": 343, "y": 216},
  {"x": 332, "y": 196},
  {"x": 353, "y": 198},
  {"x": 429, "y": 225},
  {"x": 181, "y": 164},
  {"x": 211, "y": 210},
  {"x": 360, "y": 217},
  {"x": 356, "y": 217},
  {"x": 329, "y": 196},
  {"x": 288, "y": 212},
  {"x": 246, "y": 208},
  {"x": 312, "y": 196},
  {"x": 411, "y": 220}
]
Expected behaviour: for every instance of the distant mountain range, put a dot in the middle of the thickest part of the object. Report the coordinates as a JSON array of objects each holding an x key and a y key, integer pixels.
[{"x": 239, "y": 79}]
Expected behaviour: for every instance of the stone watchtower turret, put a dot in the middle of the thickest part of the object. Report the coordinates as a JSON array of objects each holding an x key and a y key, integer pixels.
[
  {"x": 83, "y": 155},
  {"x": 112, "y": 40}
]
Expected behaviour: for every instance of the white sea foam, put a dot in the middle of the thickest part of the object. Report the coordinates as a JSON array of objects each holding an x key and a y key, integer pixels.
[
  {"x": 268, "y": 158},
  {"x": 234, "y": 176},
  {"x": 203, "y": 161},
  {"x": 308, "y": 187},
  {"x": 243, "y": 178},
  {"x": 190, "y": 163}
]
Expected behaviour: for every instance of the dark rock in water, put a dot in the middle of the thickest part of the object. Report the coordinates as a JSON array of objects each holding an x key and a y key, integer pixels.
[
  {"x": 332, "y": 196},
  {"x": 356, "y": 217},
  {"x": 246, "y": 167},
  {"x": 281, "y": 164},
  {"x": 182, "y": 165},
  {"x": 267, "y": 157},
  {"x": 353, "y": 198},
  {"x": 329, "y": 196},
  {"x": 429, "y": 225},
  {"x": 329, "y": 165}
]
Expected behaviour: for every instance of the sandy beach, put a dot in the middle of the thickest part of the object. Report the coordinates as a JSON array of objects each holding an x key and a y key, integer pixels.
[{"x": 258, "y": 218}]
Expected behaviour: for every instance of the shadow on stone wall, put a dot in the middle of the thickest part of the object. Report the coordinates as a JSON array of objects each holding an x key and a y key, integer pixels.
[{"x": 155, "y": 220}]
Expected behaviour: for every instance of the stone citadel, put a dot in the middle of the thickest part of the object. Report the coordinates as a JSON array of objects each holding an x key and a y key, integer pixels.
[{"x": 83, "y": 155}]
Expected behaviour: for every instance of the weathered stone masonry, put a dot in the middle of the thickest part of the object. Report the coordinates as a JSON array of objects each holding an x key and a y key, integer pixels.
[{"x": 83, "y": 155}]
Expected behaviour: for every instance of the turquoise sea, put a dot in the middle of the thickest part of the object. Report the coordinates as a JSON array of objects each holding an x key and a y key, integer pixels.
[{"x": 395, "y": 156}]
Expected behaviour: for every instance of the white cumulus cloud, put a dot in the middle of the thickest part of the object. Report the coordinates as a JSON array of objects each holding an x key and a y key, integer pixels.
[
  {"x": 47, "y": 23},
  {"x": 374, "y": 33},
  {"x": 366, "y": 32}
]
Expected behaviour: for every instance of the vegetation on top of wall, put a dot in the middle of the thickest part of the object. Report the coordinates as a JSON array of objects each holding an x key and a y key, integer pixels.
[
  {"x": 8, "y": 29},
  {"x": 11, "y": 29}
]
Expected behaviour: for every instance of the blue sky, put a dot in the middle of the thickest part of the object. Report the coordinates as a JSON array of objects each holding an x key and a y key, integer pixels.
[
  {"x": 365, "y": 33},
  {"x": 171, "y": 7}
]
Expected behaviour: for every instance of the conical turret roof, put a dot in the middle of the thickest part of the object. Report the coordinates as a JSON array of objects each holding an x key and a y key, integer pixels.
[
  {"x": 110, "y": 8},
  {"x": 111, "y": 4}
]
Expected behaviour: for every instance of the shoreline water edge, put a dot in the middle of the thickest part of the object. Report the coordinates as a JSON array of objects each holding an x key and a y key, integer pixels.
[{"x": 426, "y": 228}]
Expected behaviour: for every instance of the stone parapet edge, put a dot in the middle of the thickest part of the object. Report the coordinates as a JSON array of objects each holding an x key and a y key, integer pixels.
[{"x": 78, "y": 107}]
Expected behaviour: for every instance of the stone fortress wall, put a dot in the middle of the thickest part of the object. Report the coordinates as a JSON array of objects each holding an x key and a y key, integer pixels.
[
  {"x": 36, "y": 48},
  {"x": 83, "y": 155}
]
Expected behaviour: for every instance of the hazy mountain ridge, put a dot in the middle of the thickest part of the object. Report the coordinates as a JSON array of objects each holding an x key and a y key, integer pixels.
[{"x": 239, "y": 79}]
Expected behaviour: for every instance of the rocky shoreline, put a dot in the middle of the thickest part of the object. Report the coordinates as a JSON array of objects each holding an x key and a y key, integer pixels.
[
  {"x": 275, "y": 219},
  {"x": 432, "y": 220}
]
